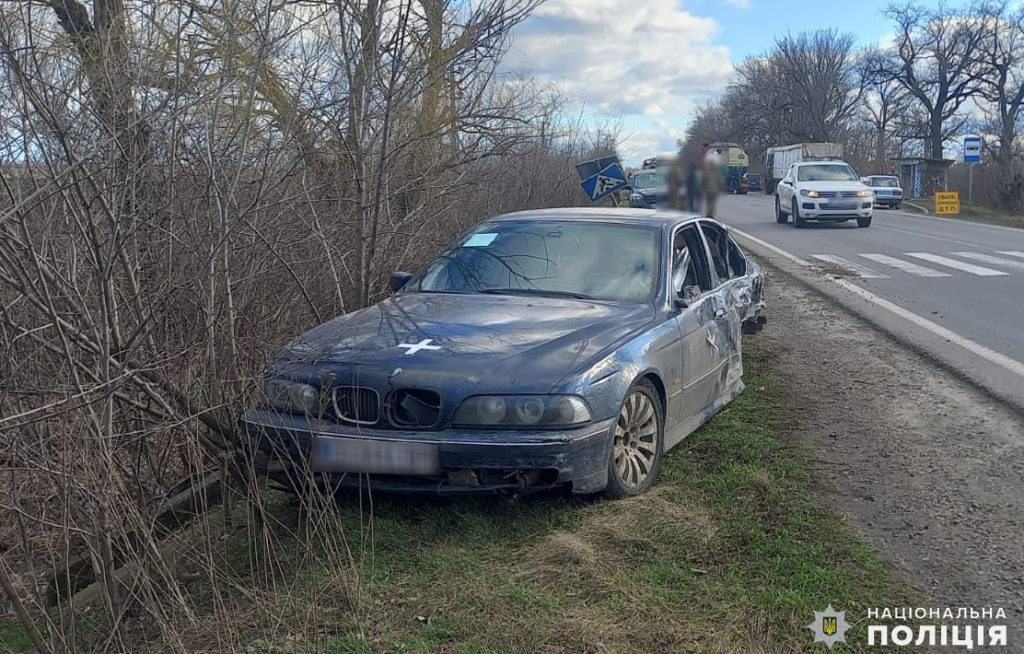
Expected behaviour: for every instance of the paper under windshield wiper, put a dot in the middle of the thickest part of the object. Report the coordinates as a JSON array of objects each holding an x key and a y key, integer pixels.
[{"x": 535, "y": 291}]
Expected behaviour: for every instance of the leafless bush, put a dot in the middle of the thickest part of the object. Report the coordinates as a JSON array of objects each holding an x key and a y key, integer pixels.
[{"x": 183, "y": 187}]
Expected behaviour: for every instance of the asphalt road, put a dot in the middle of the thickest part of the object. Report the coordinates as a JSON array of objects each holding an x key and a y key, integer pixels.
[{"x": 950, "y": 288}]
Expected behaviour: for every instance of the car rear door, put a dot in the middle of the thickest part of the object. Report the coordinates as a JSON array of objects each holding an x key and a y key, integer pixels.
[{"x": 732, "y": 298}]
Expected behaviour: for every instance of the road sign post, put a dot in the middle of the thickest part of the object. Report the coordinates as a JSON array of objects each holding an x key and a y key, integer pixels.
[
  {"x": 972, "y": 155},
  {"x": 601, "y": 177}
]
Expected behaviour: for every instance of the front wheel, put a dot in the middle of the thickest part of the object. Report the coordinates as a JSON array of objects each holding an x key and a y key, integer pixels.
[
  {"x": 798, "y": 222},
  {"x": 780, "y": 217},
  {"x": 637, "y": 443},
  {"x": 864, "y": 222}
]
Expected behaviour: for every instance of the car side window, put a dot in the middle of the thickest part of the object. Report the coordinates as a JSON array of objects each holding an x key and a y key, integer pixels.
[
  {"x": 690, "y": 273},
  {"x": 719, "y": 247},
  {"x": 737, "y": 262}
]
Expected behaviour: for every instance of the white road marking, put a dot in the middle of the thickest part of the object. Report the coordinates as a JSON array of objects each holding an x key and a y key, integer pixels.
[
  {"x": 1012, "y": 253},
  {"x": 999, "y": 359},
  {"x": 931, "y": 236},
  {"x": 862, "y": 271},
  {"x": 988, "y": 258},
  {"x": 981, "y": 271},
  {"x": 905, "y": 266}
]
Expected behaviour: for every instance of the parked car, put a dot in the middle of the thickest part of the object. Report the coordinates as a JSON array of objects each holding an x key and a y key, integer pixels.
[
  {"x": 648, "y": 190},
  {"x": 753, "y": 181},
  {"x": 556, "y": 348},
  {"x": 886, "y": 189},
  {"x": 826, "y": 191}
]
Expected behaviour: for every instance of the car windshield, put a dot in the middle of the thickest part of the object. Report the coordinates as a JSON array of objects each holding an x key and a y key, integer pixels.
[
  {"x": 889, "y": 182},
  {"x": 826, "y": 173},
  {"x": 580, "y": 259},
  {"x": 648, "y": 180}
]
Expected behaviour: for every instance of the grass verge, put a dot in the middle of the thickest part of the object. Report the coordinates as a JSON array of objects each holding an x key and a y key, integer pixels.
[
  {"x": 730, "y": 552},
  {"x": 974, "y": 213}
]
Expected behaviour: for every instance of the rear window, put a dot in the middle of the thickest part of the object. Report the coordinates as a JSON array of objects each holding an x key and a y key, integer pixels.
[
  {"x": 826, "y": 173},
  {"x": 890, "y": 182}
]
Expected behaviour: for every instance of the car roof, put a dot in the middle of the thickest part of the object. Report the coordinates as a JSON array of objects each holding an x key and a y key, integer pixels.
[
  {"x": 885, "y": 176},
  {"x": 646, "y": 217}
]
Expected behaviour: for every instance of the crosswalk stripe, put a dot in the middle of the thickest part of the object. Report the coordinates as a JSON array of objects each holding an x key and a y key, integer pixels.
[
  {"x": 1013, "y": 253},
  {"x": 862, "y": 271},
  {"x": 959, "y": 265},
  {"x": 905, "y": 266},
  {"x": 988, "y": 258}
]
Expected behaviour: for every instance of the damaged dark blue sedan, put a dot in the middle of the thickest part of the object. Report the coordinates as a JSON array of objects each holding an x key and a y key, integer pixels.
[{"x": 557, "y": 348}]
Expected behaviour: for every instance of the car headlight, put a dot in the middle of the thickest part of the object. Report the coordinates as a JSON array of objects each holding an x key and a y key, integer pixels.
[
  {"x": 292, "y": 396},
  {"x": 636, "y": 196},
  {"x": 866, "y": 193},
  {"x": 808, "y": 194},
  {"x": 522, "y": 411}
]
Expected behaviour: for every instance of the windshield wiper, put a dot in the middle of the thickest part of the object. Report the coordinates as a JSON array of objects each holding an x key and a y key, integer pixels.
[{"x": 535, "y": 291}]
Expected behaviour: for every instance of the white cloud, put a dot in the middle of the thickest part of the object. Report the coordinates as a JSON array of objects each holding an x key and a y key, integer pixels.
[
  {"x": 653, "y": 58},
  {"x": 742, "y": 4}
]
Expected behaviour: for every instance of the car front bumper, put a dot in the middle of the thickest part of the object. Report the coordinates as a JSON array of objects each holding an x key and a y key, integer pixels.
[
  {"x": 812, "y": 209},
  {"x": 289, "y": 449}
]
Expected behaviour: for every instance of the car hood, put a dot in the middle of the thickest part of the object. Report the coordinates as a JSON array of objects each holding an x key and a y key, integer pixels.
[
  {"x": 528, "y": 344},
  {"x": 834, "y": 186}
]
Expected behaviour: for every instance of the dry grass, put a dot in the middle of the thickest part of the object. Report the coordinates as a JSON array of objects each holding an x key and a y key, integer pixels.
[{"x": 729, "y": 553}]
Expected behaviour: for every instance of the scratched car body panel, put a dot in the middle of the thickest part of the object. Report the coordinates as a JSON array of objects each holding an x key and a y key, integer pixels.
[{"x": 507, "y": 362}]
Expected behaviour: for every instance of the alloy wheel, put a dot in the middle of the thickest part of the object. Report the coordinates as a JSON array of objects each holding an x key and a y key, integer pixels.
[{"x": 636, "y": 440}]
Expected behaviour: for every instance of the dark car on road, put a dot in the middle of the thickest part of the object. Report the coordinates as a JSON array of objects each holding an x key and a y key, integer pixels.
[
  {"x": 648, "y": 190},
  {"x": 556, "y": 348},
  {"x": 753, "y": 182}
]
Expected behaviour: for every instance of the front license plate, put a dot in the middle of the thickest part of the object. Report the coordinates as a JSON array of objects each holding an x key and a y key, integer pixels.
[
  {"x": 841, "y": 205},
  {"x": 331, "y": 454}
]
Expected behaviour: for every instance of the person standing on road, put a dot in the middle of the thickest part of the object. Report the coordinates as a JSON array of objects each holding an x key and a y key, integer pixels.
[
  {"x": 711, "y": 183},
  {"x": 692, "y": 187},
  {"x": 674, "y": 181}
]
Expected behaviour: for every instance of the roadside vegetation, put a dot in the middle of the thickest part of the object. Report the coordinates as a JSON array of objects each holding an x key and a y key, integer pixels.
[
  {"x": 973, "y": 212},
  {"x": 730, "y": 552},
  {"x": 184, "y": 187}
]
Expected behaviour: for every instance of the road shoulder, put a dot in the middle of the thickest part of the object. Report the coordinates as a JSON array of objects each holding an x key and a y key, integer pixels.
[{"x": 928, "y": 467}]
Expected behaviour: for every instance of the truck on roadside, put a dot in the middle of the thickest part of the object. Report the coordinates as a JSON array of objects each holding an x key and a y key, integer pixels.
[
  {"x": 733, "y": 162},
  {"x": 777, "y": 160}
]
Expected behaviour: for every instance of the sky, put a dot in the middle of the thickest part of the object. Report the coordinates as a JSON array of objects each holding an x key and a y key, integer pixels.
[{"x": 644, "y": 65}]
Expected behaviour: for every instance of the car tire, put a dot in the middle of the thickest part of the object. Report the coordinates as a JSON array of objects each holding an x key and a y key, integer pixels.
[
  {"x": 798, "y": 222},
  {"x": 896, "y": 206},
  {"x": 780, "y": 217},
  {"x": 638, "y": 442},
  {"x": 864, "y": 222}
]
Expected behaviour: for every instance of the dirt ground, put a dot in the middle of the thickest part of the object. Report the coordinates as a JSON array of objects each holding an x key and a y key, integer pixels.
[{"x": 929, "y": 469}]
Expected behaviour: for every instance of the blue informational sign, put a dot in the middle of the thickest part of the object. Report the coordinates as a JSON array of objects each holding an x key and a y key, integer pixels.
[
  {"x": 972, "y": 149},
  {"x": 606, "y": 181}
]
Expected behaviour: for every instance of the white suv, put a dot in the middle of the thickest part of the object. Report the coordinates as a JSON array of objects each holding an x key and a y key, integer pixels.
[{"x": 829, "y": 191}]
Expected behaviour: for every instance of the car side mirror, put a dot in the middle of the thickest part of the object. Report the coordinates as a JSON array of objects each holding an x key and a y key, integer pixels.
[{"x": 399, "y": 279}]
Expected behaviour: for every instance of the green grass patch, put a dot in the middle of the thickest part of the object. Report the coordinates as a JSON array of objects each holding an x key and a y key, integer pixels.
[
  {"x": 730, "y": 552},
  {"x": 974, "y": 213}
]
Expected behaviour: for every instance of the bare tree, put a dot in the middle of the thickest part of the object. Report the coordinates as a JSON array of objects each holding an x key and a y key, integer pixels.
[
  {"x": 1001, "y": 57},
  {"x": 884, "y": 107},
  {"x": 933, "y": 58}
]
